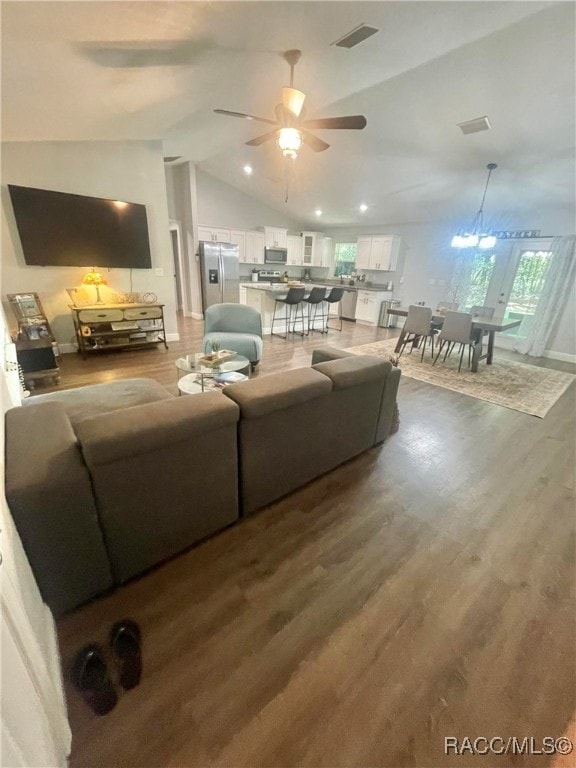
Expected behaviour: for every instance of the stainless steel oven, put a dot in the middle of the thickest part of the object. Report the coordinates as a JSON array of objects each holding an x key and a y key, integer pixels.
[{"x": 275, "y": 255}]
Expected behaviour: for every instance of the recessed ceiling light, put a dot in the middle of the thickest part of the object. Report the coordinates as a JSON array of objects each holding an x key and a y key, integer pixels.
[
  {"x": 318, "y": 212},
  {"x": 363, "y": 207},
  {"x": 248, "y": 170}
]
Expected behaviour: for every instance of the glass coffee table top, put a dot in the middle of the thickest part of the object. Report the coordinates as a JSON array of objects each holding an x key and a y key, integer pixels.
[{"x": 200, "y": 377}]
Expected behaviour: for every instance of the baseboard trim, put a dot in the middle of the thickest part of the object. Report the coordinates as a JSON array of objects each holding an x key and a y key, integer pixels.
[
  {"x": 508, "y": 343},
  {"x": 172, "y": 337},
  {"x": 196, "y": 315}
]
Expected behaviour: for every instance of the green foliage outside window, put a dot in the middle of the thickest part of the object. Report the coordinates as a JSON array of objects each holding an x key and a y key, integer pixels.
[{"x": 345, "y": 259}]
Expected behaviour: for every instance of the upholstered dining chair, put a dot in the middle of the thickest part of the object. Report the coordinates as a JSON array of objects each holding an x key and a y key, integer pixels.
[
  {"x": 234, "y": 326},
  {"x": 456, "y": 329},
  {"x": 418, "y": 326}
]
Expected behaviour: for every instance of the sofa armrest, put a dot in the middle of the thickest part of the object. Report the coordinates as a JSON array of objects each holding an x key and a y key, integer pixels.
[
  {"x": 388, "y": 404},
  {"x": 324, "y": 354},
  {"x": 152, "y": 426},
  {"x": 352, "y": 370},
  {"x": 49, "y": 494}
]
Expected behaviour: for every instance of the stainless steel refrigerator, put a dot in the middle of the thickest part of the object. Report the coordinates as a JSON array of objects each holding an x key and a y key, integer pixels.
[{"x": 220, "y": 273}]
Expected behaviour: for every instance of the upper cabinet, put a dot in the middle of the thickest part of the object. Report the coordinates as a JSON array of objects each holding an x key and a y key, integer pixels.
[
  {"x": 213, "y": 234},
  {"x": 316, "y": 249},
  {"x": 238, "y": 237},
  {"x": 274, "y": 237},
  {"x": 377, "y": 252},
  {"x": 254, "y": 248},
  {"x": 294, "y": 250}
]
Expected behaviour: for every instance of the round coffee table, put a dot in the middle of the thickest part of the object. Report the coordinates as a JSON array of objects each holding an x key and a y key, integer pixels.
[{"x": 199, "y": 377}]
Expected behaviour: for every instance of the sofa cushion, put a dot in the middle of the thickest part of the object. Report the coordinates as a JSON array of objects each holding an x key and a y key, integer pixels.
[
  {"x": 149, "y": 427},
  {"x": 95, "y": 399},
  {"x": 351, "y": 371},
  {"x": 260, "y": 397}
]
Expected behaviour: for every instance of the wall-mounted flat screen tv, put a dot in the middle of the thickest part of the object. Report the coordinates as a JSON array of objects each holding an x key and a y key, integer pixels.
[{"x": 58, "y": 229}]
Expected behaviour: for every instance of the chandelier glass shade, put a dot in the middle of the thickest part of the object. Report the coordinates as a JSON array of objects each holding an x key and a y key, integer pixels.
[
  {"x": 478, "y": 236},
  {"x": 289, "y": 141}
]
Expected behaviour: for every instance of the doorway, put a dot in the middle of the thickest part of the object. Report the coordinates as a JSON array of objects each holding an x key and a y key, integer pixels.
[
  {"x": 175, "y": 239},
  {"x": 510, "y": 280}
]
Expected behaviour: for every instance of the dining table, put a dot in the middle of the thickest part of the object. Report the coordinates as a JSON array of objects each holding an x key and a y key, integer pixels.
[{"x": 481, "y": 326}]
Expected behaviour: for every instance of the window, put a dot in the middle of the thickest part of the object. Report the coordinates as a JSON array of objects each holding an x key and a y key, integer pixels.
[{"x": 345, "y": 259}]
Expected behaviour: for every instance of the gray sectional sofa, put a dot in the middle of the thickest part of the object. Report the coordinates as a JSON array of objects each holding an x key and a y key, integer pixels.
[{"x": 106, "y": 481}]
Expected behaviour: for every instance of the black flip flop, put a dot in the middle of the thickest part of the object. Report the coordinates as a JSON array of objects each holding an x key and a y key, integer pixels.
[
  {"x": 90, "y": 676},
  {"x": 125, "y": 642}
]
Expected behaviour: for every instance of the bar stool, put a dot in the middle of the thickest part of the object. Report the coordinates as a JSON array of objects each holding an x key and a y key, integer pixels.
[
  {"x": 292, "y": 301},
  {"x": 334, "y": 297},
  {"x": 314, "y": 299}
]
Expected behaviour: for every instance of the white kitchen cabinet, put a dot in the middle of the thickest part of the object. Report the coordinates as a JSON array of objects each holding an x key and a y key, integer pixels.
[
  {"x": 274, "y": 237},
  {"x": 324, "y": 252},
  {"x": 242, "y": 295},
  {"x": 254, "y": 247},
  {"x": 363, "y": 245},
  {"x": 238, "y": 237},
  {"x": 213, "y": 234},
  {"x": 377, "y": 252},
  {"x": 294, "y": 250},
  {"x": 368, "y": 306},
  {"x": 308, "y": 248}
]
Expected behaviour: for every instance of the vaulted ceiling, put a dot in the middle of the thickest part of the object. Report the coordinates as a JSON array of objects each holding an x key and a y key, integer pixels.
[{"x": 156, "y": 70}]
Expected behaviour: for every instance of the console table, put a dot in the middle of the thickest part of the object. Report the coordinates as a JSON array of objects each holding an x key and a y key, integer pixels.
[{"x": 118, "y": 326}]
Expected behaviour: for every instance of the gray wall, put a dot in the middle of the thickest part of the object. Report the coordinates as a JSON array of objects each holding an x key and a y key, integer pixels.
[
  {"x": 219, "y": 204},
  {"x": 132, "y": 171}
]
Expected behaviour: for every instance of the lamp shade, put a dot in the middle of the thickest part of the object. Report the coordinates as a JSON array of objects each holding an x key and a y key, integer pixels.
[{"x": 93, "y": 278}]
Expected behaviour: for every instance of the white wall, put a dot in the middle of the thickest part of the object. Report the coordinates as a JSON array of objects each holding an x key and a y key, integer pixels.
[
  {"x": 132, "y": 171},
  {"x": 430, "y": 261},
  {"x": 219, "y": 204}
]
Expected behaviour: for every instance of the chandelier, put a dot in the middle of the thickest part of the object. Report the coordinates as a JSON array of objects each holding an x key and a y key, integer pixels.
[{"x": 477, "y": 236}]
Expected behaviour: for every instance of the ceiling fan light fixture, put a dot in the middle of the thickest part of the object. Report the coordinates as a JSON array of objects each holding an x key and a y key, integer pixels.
[{"x": 289, "y": 141}]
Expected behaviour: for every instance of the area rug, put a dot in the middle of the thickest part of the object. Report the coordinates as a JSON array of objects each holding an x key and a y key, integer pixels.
[{"x": 526, "y": 388}]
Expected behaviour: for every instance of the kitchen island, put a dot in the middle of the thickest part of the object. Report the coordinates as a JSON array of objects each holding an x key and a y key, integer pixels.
[{"x": 261, "y": 296}]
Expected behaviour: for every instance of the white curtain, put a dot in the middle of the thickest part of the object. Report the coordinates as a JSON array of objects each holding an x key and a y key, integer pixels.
[{"x": 559, "y": 281}]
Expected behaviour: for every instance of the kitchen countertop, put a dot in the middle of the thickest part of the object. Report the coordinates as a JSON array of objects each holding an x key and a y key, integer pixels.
[{"x": 328, "y": 283}]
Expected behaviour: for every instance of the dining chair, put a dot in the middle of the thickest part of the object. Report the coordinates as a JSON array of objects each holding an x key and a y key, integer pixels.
[
  {"x": 418, "y": 326},
  {"x": 456, "y": 329}
]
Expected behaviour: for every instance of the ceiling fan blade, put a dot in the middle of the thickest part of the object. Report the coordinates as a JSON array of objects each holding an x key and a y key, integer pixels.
[
  {"x": 246, "y": 117},
  {"x": 261, "y": 139},
  {"x": 313, "y": 141},
  {"x": 293, "y": 100},
  {"x": 356, "y": 122}
]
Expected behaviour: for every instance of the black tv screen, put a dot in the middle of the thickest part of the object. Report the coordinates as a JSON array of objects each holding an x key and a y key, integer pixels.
[{"x": 58, "y": 229}]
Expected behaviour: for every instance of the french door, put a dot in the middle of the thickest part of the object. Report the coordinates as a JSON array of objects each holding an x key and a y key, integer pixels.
[{"x": 510, "y": 279}]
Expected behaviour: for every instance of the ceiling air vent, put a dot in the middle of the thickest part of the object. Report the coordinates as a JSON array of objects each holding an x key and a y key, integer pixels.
[
  {"x": 355, "y": 37},
  {"x": 172, "y": 158},
  {"x": 474, "y": 126}
]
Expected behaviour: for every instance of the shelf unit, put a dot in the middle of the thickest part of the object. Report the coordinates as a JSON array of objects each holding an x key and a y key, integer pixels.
[{"x": 102, "y": 327}]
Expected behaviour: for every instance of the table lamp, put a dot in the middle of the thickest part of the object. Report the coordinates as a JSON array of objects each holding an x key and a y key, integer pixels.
[{"x": 94, "y": 278}]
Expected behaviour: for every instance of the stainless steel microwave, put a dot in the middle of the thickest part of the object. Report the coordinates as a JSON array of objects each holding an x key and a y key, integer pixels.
[{"x": 275, "y": 256}]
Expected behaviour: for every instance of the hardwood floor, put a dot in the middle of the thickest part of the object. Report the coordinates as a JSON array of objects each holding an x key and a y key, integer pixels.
[{"x": 422, "y": 590}]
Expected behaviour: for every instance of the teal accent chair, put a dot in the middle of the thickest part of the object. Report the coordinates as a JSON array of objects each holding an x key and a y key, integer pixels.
[{"x": 234, "y": 326}]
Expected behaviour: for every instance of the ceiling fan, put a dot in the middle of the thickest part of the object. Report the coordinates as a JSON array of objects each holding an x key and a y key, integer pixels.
[{"x": 290, "y": 129}]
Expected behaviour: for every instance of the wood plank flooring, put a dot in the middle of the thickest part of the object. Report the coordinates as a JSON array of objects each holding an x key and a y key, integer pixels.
[{"x": 422, "y": 590}]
